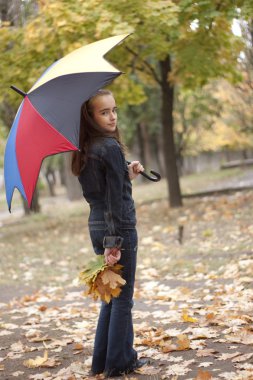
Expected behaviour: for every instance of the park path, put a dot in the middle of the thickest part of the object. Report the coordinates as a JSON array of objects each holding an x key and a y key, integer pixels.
[
  {"x": 193, "y": 327},
  {"x": 193, "y": 312}
]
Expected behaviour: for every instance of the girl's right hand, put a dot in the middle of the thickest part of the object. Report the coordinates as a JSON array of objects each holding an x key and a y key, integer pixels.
[
  {"x": 112, "y": 255},
  {"x": 134, "y": 169}
]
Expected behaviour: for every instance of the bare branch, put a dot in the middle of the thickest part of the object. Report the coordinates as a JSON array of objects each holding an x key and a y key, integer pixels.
[{"x": 149, "y": 69}]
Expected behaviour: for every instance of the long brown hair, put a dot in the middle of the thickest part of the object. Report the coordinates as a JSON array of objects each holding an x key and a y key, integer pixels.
[{"x": 89, "y": 132}]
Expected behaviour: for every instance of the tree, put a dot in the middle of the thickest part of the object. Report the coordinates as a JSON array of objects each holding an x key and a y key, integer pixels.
[
  {"x": 174, "y": 42},
  {"x": 195, "y": 112},
  {"x": 141, "y": 128},
  {"x": 243, "y": 108}
]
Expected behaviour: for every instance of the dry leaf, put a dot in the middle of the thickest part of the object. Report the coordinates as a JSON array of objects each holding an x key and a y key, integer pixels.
[
  {"x": 187, "y": 318},
  {"x": 112, "y": 279},
  {"x": 242, "y": 358},
  {"x": 78, "y": 346},
  {"x": 183, "y": 342},
  {"x": 206, "y": 352},
  {"x": 205, "y": 364},
  {"x": 17, "y": 373},
  {"x": 103, "y": 281},
  {"x": 227, "y": 356},
  {"x": 42, "y": 308},
  {"x": 203, "y": 375},
  {"x": 37, "y": 362}
]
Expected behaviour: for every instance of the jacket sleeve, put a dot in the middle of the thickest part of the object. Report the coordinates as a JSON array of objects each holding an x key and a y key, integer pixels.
[{"x": 115, "y": 170}]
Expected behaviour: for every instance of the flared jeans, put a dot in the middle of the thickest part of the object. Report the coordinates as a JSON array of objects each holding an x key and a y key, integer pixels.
[{"x": 113, "y": 348}]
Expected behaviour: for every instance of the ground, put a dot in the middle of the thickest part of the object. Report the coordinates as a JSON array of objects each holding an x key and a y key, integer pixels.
[{"x": 193, "y": 297}]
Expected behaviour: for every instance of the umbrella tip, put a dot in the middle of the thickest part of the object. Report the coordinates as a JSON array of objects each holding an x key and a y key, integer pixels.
[{"x": 20, "y": 92}]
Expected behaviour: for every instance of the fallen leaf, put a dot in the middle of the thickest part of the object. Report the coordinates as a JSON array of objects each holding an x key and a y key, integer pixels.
[
  {"x": 42, "y": 308},
  {"x": 205, "y": 364},
  {"x": 226, "y": 356},
  {"x": 183, "y": 342},
  {"x": 203, "y": 375},
  {"x": 37, "y": 362},
  {"x": 17, "y": 373},
  {"x": 187, "y": 318},
  {"x": 78, "y": 346},
  {"x": 206, "y": 352},
  {"x": 242, "y": 358},
  {"x": 147, "y": 370}
]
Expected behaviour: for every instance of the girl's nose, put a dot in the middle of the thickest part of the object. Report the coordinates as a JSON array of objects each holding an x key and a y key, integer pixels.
[{"x": 112, "y": 116}]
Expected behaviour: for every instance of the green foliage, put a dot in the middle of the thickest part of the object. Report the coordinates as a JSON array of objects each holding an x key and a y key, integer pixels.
[
  {"x": 197, "y": 35},
  {"x": 147, "y": 112},
  {"x": 195, "y": 112},
  {"x": 159, "y": 28}
]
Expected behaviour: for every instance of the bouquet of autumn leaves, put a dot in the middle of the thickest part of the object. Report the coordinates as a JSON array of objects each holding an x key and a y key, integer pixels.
[{"x": 103, "y": 281}]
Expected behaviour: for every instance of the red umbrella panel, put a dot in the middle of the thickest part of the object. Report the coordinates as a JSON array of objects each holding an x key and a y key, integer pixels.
[{"x": 48, "y": 119}]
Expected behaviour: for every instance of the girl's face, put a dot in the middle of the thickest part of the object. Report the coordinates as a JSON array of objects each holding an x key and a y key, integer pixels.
[{"x": 104, "y": 112}]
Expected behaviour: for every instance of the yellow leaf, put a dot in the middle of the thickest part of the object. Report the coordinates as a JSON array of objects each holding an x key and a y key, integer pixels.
[
  {"x": 187, "y": 318},
  {"x": 183, "y": 342},
  {"x": 115, "y": 292},
  {"x": 111, "y": 278},
  {"x": 37, "y": 362},
  {"x": 103, "y": 282}
]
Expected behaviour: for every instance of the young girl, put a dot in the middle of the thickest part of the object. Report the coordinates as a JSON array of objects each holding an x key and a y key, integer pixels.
[{"x": 105, "y": 179}]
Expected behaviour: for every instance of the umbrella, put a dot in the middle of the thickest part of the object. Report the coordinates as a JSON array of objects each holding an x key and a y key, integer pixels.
[{"x": 48, "y": 119}]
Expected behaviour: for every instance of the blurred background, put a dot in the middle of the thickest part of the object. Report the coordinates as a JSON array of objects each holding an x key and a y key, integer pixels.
[{"x": 185, "y": 100}]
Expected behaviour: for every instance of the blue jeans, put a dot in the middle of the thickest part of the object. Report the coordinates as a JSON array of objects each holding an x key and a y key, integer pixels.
[{"x": 113, "y": 349}]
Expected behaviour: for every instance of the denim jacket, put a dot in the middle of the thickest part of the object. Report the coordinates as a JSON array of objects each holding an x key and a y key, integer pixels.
[{"x": 108, "y": 190}]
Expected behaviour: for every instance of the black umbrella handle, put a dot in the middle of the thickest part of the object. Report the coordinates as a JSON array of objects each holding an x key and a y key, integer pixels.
[{"x": 156, "y": 175}]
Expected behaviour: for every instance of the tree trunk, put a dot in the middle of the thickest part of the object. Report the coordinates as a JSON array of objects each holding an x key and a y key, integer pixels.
[
  {"x": 73, "y": 187},
  {"x": 175, "y": 198},
  {"x": 35, "y": 206},
  {"x": 51, "y": 180},
  {"x": 62, "y": 171}
]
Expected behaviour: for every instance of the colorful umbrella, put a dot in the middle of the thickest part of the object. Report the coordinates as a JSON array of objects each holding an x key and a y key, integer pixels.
[{"x": 48, "y": 119}]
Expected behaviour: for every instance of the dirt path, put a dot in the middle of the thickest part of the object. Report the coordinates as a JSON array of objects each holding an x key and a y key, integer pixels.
[{"x": 193, "y": 301}]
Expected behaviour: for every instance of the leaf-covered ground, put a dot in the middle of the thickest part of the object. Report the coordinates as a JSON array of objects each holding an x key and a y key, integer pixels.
[{"x": 193, "y": 312}]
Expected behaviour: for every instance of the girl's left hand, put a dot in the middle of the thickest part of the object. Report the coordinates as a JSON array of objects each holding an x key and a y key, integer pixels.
[
  {"x": 134, "y": 169},
  {"x": 112, "y": 255}
]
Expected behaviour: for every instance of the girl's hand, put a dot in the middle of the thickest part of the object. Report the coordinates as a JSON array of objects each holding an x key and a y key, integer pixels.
[
  {"x": 112, "y": 255},
  {"x": 134, "y": 169}
]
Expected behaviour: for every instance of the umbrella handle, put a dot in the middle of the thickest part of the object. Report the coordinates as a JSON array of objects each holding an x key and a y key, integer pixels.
[{"x": 156, "y": 175}]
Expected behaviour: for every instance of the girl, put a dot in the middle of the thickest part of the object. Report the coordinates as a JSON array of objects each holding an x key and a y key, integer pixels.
[{"x": 105, "y": 179}]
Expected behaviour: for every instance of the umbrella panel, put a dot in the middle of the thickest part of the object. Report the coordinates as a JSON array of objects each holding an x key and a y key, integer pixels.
[
  {"x": 59, "y": 100},
  {"x": 11, "y": 170}
]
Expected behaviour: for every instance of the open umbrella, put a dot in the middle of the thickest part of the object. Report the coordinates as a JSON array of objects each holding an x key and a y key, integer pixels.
[{"x": 48, "y": 119}]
